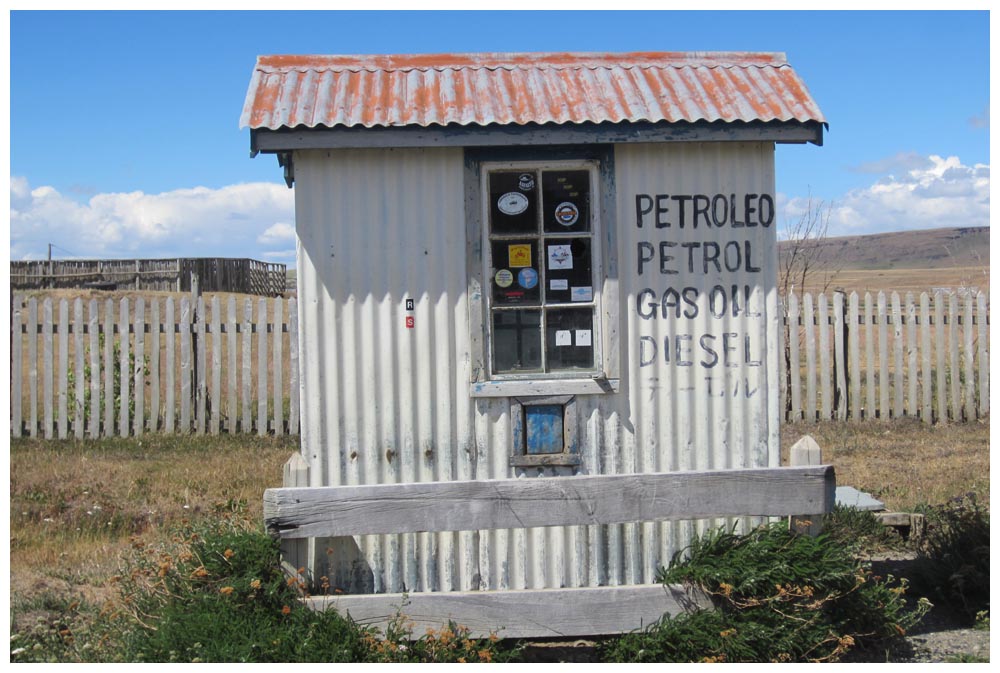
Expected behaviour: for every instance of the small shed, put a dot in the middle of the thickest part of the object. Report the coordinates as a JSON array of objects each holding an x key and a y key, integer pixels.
[{"x": 530, "y": 266}]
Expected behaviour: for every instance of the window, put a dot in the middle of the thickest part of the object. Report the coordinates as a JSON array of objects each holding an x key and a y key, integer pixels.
[{"x": 542, "y": 268}]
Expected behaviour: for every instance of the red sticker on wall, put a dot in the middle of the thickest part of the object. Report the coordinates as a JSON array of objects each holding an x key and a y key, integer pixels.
[{"x": 409, "y": 322}]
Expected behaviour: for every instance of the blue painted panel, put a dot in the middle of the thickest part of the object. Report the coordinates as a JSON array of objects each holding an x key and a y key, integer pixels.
[{"x": 544, "y": 428}]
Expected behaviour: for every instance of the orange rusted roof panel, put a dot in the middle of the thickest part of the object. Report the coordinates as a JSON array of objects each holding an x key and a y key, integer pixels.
[{"x": 424, "y": 89}]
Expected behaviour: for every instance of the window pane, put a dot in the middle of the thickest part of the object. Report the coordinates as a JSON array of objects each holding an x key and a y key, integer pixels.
[
  {"x": 517, "y": 341},
  {"x": 543, "y": 429},
  {"x": 513, "y": 203},
  {"x": 566, "y": 199},
  {"x": 569, "y": 338},
  {"x": 515, "y": 278},
  {"x": 568, "y": 270}
]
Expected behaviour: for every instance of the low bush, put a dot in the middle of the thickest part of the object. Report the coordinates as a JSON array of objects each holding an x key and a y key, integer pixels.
[
  {"x": 778, "y": 597},
  {"x": 861, "y": 532},
  {"x": 953, "y": 562},
  {"x": 218, "y": 594}
]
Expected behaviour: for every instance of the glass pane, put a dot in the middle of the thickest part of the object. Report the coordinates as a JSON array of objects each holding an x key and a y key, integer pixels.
[
  {"x": 566, "y": 199},
  {"x": 517, "y": 341},
  {"x": 569, "y": 338},
  {"x": 513, "y": 203},
  {"x": 543, "y": 429},
  {"x": 568, "y": 270},
  {"x": 515, "y": 278}
]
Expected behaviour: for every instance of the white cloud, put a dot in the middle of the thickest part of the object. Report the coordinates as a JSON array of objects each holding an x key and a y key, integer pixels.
[
  {"x": 233, "y": 221},
  {"x": 924, "y": 194}
]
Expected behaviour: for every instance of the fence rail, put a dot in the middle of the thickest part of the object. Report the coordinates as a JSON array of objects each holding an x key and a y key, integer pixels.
[
  {"x": 155, "y": 365},
  {"x": 215, "y": 274}
]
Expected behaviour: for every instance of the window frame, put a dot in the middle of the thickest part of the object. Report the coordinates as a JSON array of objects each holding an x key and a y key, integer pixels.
[{"x": 603, "y": 378}]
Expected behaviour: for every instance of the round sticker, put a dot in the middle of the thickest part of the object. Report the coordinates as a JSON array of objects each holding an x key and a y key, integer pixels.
[
  {"x": 567, "y": 214},
  {"x": 526, "y": 182},
  {"x": 513, "y": 203},
  {"x": 504, "y": 278},
  {"x": 527, "y": 278}
]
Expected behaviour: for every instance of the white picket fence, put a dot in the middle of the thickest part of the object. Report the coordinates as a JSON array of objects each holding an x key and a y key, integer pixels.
[
  {"x": 926, "y": 359},
  {"x": 163, "y": 367},
  {"x": 161, "y": 370}
]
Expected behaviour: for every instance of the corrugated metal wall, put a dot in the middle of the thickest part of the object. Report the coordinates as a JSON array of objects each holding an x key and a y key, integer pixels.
[{"x": 383, "y": 403}]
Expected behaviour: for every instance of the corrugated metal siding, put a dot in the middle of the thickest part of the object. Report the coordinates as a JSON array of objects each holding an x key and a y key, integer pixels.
[
  {"x": 384, "y": 91},
  {"x": 382, "y": 403}
]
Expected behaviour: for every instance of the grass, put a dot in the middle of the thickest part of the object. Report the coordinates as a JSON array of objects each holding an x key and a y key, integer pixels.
[{"x": 78, "y": 507}]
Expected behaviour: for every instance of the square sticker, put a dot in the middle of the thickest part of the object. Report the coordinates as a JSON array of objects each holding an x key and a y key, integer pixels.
[
  {"x": 564, "y": 338},
  {"x": 583, "y": 337},
  {"x": 558, "y": 284},
  {"x": 520, "y": 255},
  {"x": 585, "y": 293},
  {"x": 560, "y": 257}
]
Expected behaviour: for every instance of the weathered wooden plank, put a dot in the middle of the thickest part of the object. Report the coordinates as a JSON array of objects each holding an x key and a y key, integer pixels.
[
  {"x": 170, "y": 408},
  {"x": 47, "y": 367},
  {"x": 80, "y": 372},
  {"x": 939, "y": 350},
  {"x": 840, "y": 363},
  {"x": 32, "y": 328},
  {"x": 543, "y": 613},
  {"x": 278, "y": 402},
  {"x": 912, "y": 405},
  {"x": 825, "y": 368},
  {"x": 869, "y": 358},
  {"x": 154, "y": 365},
  {"x": 926, "y": 376},
  {"x": 16, "y": 355},
  {"x": 63, "y": 369},
  {"x": 969, "y": 353},
  {"x": 854, "y": 354},
  {"x": 810, "y": 333},
  {"x": 953, "y": 375},
  {"x": 984, "y": 357},
  {"x": 139, "y": 422},
  {"x": 216, "y": 395},
  {"x": 109, "y": 368},
  {"x": 794, "y": 368},
  {"x": 186, "y": 373},
  {"x": 897, "y": 352},
  {"x": 231, "y": 398},
  {"x": 124, "y": 379},
  {"x": 262, "y": 367},
  {"x": 293, "y": 357},
  {"x": 883, "y": 358},
  {"x": 202, "y": 366},
  {"x": 546, "y": 501},
  {"x": 246, "y": 373}
]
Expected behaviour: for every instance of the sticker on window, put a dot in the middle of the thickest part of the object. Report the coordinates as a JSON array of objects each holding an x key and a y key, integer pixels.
[
  {"x": 504, "y": 278},
  {"x": 585, "y": 293},
  {"x": 519, "y": 255},
  {"x": 527, "y": 278},
  {"x": 526, "y": 182},
  {"x": 558, "y": 284},
  {"x": 564, "y": 337},
  {"x": 513, "y": 203},
  {"x": 583, "y": 337},
  {"x": 560, "y": 257},
  {"x": 566, "y": 213}
]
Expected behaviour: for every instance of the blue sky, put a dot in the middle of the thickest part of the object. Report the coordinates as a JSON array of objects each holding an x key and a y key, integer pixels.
[{"x": 124, "y": 137}]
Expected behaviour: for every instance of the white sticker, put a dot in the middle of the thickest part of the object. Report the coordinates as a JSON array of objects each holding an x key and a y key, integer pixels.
[
  {"x": 585, "y": 293},
  {"x": 560, "y": 257},
  {"x": 564, "y": 337},
  {"x": 567, "y": 213},
  {"x": 558, "y": 284},
  {"x": 504, "y": 278},
  {"x": 526, "y": 182},
  {"x": 583, "y": 337},
  {"x": 513, "y": 203}
]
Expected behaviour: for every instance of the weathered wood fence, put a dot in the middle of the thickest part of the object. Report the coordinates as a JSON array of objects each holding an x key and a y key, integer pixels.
[
  {"x": 153, "y": 366},
  {"x": 851, "y": 357},
  {"x": 215, "y": 274},
  {"x": 182, "y": 366}
]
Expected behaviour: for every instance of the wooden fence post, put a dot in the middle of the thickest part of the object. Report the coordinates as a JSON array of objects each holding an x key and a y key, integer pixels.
[
  {"x": 806, "y": 452},
  {"x": 295, "y": 553}
]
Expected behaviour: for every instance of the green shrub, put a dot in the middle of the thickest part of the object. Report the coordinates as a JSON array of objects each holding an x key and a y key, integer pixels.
[
  {"x": 860, "y": 531},
  {"x": 778, "y": 597},
  {"x": 953, "y": 562},
  {"x": 219, "y": 595}
]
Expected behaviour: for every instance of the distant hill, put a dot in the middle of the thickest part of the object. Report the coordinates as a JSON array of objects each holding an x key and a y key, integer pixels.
[{"x": 918, "y": 249}]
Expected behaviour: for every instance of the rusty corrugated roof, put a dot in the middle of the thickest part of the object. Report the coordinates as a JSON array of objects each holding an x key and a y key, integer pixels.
[{"x": 465, "y": 89}]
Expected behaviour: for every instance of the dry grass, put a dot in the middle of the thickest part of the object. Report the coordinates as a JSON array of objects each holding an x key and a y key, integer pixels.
[
  {"x": 903, "y": 463},
  {"x": 897, "y": 280}
]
